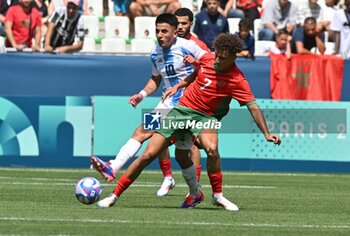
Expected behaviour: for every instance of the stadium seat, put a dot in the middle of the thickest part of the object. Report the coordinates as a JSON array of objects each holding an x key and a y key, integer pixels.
[
  {"x": 145, "y": 27},
  {"x": 89, "y": 45},
  {"x": 142, "y": 45},
  {"x": 111, "y": 8},
  {"x": 187, "y": 3},
  {"x": 260, "y": 46},
  {"x": 233, "y": 24},
  {"x": 257, "y": 28},
  {"x": 95, "y": 7},
  {"x": 2, "y": 41},
  {"x": 330, "y": 48},
  {"x": 91, "y": 25},
  {"x": 117, "y": 27},
  {"x": 113, "y": 45}
]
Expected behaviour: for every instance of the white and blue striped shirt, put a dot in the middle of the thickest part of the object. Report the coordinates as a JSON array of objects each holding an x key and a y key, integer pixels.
[{"x": 169, "y": 64}]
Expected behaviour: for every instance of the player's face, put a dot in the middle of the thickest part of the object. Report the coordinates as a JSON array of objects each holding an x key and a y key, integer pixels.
[
  {"x": 223, "y": 60},
  {"x": 165, "y": 34},
  {"x": 184, "y": 27}
]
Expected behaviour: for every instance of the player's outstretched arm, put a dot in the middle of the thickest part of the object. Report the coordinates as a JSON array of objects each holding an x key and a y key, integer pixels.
[
  {"x": 259, "y": 119},
  {"x": 182, "y": 84},
  {"x": 150, "y": 87}
]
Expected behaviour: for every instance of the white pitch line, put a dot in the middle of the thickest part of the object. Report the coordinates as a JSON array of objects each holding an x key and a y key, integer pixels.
[
  {"x": 146, "y": 185},
  {"x": 177, "y": 223}
]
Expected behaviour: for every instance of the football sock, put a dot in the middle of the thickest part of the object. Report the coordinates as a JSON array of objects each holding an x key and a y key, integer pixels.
[
  {"x": 165, "y": 166},
  {"x": 126, "y": 153},
  {"x": 216, "y": 182},
  {"x": 198, "y": 172},
  {"x": 123, "y": 183},
  {"x": 189, "y": 175}
]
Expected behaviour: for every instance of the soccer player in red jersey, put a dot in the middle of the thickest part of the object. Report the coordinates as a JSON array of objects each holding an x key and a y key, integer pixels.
[{"x": 207, "y": 99}]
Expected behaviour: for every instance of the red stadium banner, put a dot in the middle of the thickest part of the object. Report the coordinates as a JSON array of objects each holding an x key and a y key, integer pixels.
[{"x": 306, "y": 77}]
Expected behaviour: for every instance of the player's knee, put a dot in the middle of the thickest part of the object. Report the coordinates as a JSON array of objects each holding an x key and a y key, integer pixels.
[
  {"x": 148, "y": 156},
  {"x": 212, "y": 149}
]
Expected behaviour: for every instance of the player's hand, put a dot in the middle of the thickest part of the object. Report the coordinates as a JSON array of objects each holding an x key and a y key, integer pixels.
[
  {"x": 135, "y": 99},
  {"x": 188, "y": 59},
  {"x": 274, "y": 138},
  {"x": 169, "y": 93}
]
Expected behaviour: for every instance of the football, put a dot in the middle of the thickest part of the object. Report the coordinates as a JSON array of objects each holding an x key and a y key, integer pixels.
[{"x": 88, "y": 190}]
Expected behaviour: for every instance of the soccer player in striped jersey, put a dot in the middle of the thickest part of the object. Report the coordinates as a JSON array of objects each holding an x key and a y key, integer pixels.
[
  {"x": 167, "y": 65},
  {"x": 207, "y": 99}
]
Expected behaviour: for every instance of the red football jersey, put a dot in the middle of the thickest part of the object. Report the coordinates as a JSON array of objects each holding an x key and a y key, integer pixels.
[
  {"x": 199, "y": 42},
  {"x": 212, "y": 91}
]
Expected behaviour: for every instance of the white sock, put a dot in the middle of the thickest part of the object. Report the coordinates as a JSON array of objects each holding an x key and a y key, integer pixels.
[
  {"x": 189, "y": 175},
  {"x": 217, "y": 195},
  {"x": 125, "y": 153}
]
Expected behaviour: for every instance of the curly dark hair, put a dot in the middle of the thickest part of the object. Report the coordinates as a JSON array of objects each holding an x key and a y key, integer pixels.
[{"x": 228, "y": 42}]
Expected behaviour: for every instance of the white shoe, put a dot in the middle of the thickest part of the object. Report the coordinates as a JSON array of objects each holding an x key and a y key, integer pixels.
[
  {"x": 108, "y": 201},
  {"x": 225, "y": 203},
  {"x": 168, "y": 184}
]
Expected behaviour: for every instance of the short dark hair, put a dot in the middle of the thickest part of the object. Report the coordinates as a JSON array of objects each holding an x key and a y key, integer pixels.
[
  {"x": 244, "y": 23},
  {"x": 310, "y": 20},
  {"x": 282, "y": 31},
  {"x": 183, "y": 11},
  {"x": 167, "y": 18},
  {"x": 228, "y": 42}
]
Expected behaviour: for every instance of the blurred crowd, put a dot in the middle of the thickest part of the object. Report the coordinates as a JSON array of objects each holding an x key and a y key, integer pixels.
[{"x": 297, "y": 26}]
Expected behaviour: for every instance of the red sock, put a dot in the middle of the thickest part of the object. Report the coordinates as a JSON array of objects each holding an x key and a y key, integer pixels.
[
  {"x": 198, "y": 172},
  {"x": 123, "y": 183},
  {"x": 165, "y": 166},
  {"x": 216, "y": 182}
]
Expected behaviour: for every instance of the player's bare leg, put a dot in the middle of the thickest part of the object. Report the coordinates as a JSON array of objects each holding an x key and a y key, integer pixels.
[
  {"x": 165, "y": 166},
  {"x": 209, "y": 141},
  {"x": 127, "y": 151},
  {"x": 157, "y": 144}
]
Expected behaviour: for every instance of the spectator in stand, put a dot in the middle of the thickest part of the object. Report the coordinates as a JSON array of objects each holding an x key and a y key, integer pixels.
[
  {"x": 152, "y": 7},
  {"x": 226, "y": 9},
  {"x": 4, "y": 6},
  {"x": 278, "y": 14},
  {"x": 121, "y": 7},
  {"x": 341, "y": 27},
  {"x": 247, "y": 38},
  {"x": 210, "y": 23},
  {"x": 54, "y": 4},
  {"x": 23, "y": 23},
  {"x": 306, "y": 37},
  {"x": 282, "y": 45},
  {"x": 329, "y": 9},
  {"x": 64, "y": 26},
  {"x": 42, "y": 8},
  {"x": 312, "y": 8},
  {"x": 248, "y": 9}
]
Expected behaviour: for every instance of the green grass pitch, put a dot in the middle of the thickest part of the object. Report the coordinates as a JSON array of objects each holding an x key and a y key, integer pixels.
[{"x": 42, "y": 202}]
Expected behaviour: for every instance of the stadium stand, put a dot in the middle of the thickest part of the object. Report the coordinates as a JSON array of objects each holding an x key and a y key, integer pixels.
[
  {"x": 95, "y": 7},
  {"x": 233, "y": 24},
  {"x": 116, "y": 27},
  {"x": 91, "y": 24},
  {"x": 140, "y": 45},
  {"x": 144, "y": 27},
  {"x": 113, "y": 45}
]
